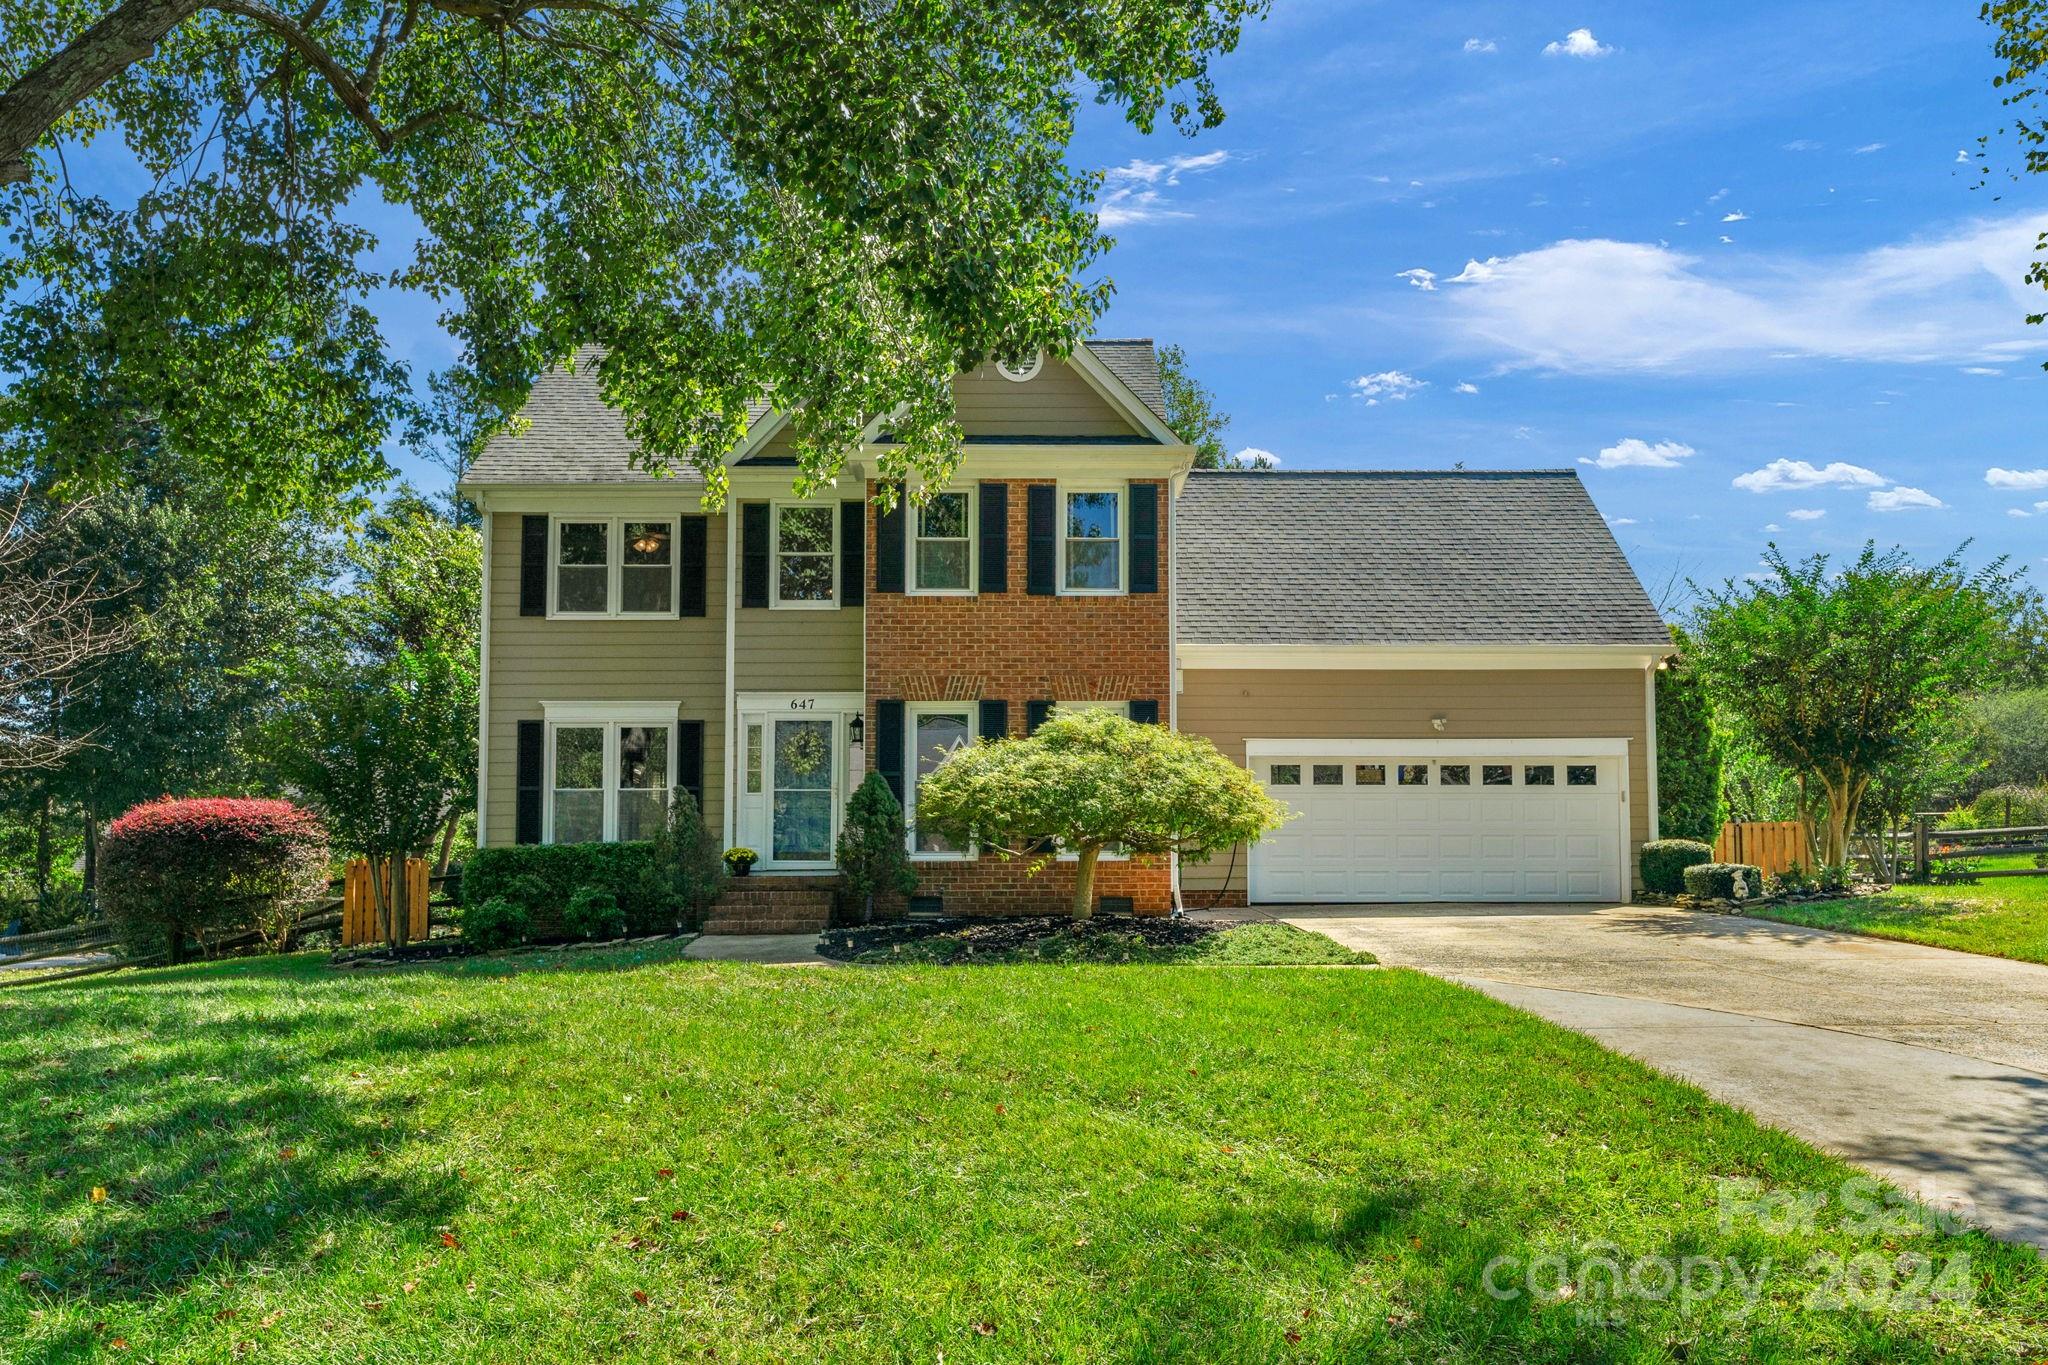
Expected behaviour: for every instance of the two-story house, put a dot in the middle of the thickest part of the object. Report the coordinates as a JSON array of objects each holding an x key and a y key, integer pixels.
[{"x": 1448, "y": 676}]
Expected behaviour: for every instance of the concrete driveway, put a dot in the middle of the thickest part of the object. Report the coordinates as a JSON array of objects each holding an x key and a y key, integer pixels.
[{"x": 1929, "y": 1067}]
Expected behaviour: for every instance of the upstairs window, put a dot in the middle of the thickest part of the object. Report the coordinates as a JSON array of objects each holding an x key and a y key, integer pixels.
[
  {"x": 614, "y": 566},
  {"x": 806, "y": 555},
  {"x": 1091, "y": 543},
  {"x": 941, "y": 550}
]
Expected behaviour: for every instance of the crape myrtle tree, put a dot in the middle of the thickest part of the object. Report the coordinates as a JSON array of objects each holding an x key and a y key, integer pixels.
[
  {"x": 1845, "y": 674},
  {"x": 834, "y": 205},
  {"x": 1088, "y": 780}
]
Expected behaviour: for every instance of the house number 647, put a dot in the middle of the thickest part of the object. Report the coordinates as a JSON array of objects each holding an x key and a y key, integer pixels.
[{"x": 804, "y": 704}]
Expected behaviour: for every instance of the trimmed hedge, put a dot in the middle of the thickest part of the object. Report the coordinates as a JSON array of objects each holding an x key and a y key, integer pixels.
[
  {"x": 1717, "y": 881},
  {"x": 177, "y": 873},
  {"x": 1664, "y": 863},
  {"x": 594, "y": 913},
  {"x": 495, "y": 923},
  {"x": 543, "y": 878}
]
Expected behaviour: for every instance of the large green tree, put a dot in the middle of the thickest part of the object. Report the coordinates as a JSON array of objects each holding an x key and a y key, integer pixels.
[
  {"x": 2020, "y": 42},
  {"x": 832, "y": 204},
  {"x": 1689, "y": 753},
  {"x": 1843, "y": 674}
]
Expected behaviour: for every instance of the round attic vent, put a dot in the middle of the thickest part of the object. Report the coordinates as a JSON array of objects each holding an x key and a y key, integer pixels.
[{"x": 1024, "y": 371}]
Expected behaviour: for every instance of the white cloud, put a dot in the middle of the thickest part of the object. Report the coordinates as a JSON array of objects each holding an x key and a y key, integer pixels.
[
  {"x": 1783, "y": 476},
  {"x": 1634, "y": 453},
  {"x": 1804, "y": 144},
  {"x": 1981, "y": 369},
  {"x": 2041, "y": 506},
  {"x": 1772, "y": 526},
  {"x": 1902, "y": 499},
  {"x": 1131, "y": 192},
  {"x": 1388, "y": 385},
  {"x": 1600, "y": 305},
  {"x": 1807, "y": 513},
  {"x": 1255, "y": 455},
  {"x": 1727, "y": 240},
  {"x": 1962, "y": 155},
  {"x": 1718, "y": 195},
  {"x": 1738, "y": 216},
  {"x": 2016, "y": 478},
  {"x": 1867, "y": 148},
  {"x": 1481, "y": 45},
  {"x": 1466, "y": 386},
  {"x": 1621, "y": 521},
  {"x": 1425, "y": 280},
  {"x": 1580, "y": 42},
  {"x": 2018, "y": 512}
]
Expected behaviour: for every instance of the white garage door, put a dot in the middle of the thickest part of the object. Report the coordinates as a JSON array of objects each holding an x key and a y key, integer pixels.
[{"x": 1438, "y": 827}]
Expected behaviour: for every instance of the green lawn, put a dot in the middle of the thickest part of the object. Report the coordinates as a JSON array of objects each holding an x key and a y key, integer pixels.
[
  {"x": 2002, "y": 916},
  {"x": 1245, "y": 945},
  {"x": 622, "y": 1156}
]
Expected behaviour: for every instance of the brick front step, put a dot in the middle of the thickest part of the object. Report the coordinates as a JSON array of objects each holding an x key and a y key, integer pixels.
[{"x": 773, "y": 905}]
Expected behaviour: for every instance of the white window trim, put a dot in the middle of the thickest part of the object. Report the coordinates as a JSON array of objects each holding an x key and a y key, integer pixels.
[
  {"x": 775, "y": 510},
  {"x": 1122, "y": 708},
  {"x": 1123, "y": 538},
  {"x": 911, "y": 711},
  {"x": 912, "y": 511},
  {"x": 615, "y": 565},
  {"x": 610, "y": 718}
]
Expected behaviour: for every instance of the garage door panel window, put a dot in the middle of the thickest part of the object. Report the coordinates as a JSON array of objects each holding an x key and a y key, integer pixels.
[
  {"x": 1455, "y": 774},
  {"x": 1539, "y": 775},
  {"x": 1581, "y": 775},
  {"x": 1414, "y": 774},
  {"x": 1329, "y": 774},
  {"x": 1497, "y": 774},
  {"x": 1285, "y": 775},
  {"x": 1370, "y": 774}
]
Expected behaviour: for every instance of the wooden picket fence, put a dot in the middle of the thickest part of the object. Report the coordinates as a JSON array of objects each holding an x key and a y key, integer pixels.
[
  {"x": 359, "y": 920},
  {"x": 1770, "y": 846}
]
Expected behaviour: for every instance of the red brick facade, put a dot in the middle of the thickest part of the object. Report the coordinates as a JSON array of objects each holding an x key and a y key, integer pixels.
[{"x": 1019, "y": 648}]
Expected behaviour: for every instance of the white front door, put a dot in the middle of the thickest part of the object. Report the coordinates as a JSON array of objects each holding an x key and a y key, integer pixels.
[
  {"x": 792, "y": 785},
  {"x": 1510, "y": 826}
]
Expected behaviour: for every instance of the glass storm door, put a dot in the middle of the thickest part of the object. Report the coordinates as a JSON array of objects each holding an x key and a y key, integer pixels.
[{"x": 802, "y": 760}]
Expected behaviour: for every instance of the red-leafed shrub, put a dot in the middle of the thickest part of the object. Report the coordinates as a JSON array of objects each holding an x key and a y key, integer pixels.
[{"x": 177, "y": 873}]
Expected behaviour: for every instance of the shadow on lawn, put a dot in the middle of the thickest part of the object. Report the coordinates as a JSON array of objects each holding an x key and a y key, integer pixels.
[{"x": 223, "y": 1129}]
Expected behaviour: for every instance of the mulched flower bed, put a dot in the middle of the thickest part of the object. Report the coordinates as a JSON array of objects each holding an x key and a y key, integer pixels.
[
  {"x": 1011, "y": 935},
  {"x": 1784, "y": 898}
]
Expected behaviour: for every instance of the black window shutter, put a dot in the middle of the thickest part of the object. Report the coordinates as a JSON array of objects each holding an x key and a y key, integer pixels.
[
  {"x": 995, "y": 720},
  {"x": 853, "y": 553},
  {"x": 1144, "y": 537},
  {"x": 889, "y": 745},
  {"x": 889, "y": 531},
  {"x": 995, "y": 536},
  {"x": 533, "y": 566},
  {"x": 1041, "y": 529},
  {"x": 693, "y": 552},
  {"x": 754, "y": 554},
  {"x": 526, "y": 817},
  {"x": 1145, "y": 712},
  {"x": 690, "y": 759},
  {"x": 1035, "y": 713}
]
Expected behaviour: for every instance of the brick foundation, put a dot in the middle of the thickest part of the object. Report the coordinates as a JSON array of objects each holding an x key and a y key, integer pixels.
[{"x": 1019, "y": 648}]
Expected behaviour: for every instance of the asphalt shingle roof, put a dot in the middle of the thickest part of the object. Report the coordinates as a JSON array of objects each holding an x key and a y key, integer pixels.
[
  {"x": 573, "y": 436},
  {"x": 1403, "y": 558}
]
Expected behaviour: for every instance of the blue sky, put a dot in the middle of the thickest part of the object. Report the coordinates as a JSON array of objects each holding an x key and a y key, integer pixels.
[{"x": 1721, "y": 259}]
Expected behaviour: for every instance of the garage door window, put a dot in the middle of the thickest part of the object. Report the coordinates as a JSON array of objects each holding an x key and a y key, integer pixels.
[
  {"x": 1498, "y": 774},
  {"x": 1455, "y": 774},
  {"x": 1539, "y": 775},
  {"x": 1581, "y": 775},
  {"x": 1286, "y": 775},
  {"x": 1414, "y": 774},
  {"x": 1370, "y": 775},
  {"x": 1329, "y": 774}
]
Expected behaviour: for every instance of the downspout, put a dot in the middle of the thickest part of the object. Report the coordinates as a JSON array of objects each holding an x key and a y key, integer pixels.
[
  {"x": 483, "y": 691},
  {"x": 1650, "y": 728},
  {"x": 1173, "y": 486}
]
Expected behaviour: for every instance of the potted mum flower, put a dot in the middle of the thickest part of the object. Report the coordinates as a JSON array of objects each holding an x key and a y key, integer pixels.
[{"x": 740, "y": 861}]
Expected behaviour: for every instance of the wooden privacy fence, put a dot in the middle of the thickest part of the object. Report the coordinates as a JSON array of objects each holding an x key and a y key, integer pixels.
[
  {"x": 1770, "y": 846},
  {"x": 359, "y": 919}
]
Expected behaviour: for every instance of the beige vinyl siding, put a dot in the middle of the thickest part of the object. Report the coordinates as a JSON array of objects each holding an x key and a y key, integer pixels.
[
  {"x": 796, "y": 649},
  {"x": 1229, "y": 706},
  {"x": 534, "y": 659},
  {"x": 1057, "y": 401}
]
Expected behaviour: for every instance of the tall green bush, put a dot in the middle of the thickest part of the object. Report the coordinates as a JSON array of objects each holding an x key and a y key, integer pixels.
[
  {"x": 688, "y": 862},
  {"x": 1664, "y": 862},
  {"x": 1689, "y": 754},
  {"x": 873, "y": 849}
]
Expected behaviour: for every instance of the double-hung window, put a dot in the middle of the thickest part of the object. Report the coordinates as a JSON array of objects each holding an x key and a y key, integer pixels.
[
  {"x": 608, "y": 780},
  {"x": 806, "y": 554},
  {"x": 936, "y": 732},
  {"x": 941, "y": 545},
  {"x": 1091, "y": 540},
  {"x": 614, "y": 566}
]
